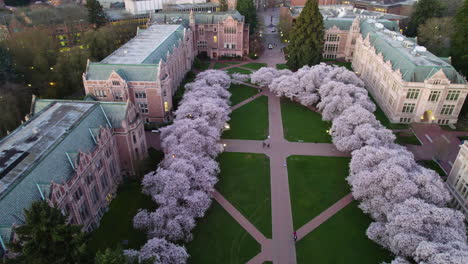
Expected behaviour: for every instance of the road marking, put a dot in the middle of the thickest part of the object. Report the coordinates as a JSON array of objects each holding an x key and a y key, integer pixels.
[
  {"x": 446, "y": 139},
  {"x": 428, "y": 137}
]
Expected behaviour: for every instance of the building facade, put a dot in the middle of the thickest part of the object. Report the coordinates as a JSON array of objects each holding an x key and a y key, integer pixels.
[
  {"x": 72, "y": 154},
  {"x": 457, "y": 181},
  {"x": 146, "y": 70},
  {"x": 137, "y": 7},
  {"x": 409, "y": 83},
  {"x": 398, "y": 7},
  {"x": 220, "y": 34},
  {"x": 320, "y": 2}
]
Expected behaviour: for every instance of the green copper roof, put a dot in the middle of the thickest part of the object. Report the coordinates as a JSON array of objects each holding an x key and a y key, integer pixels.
[
  {"x": 57, "y": 131},
  {"x": 102, "y": 71},
  {"x": 401, "y": 52},
  {"x": 345, "y": 23},
  {"x": 200, "y": 17}
]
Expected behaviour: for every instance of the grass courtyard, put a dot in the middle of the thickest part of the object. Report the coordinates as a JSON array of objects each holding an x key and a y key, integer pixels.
[
  {"x": 218, "y": 238},
  {"x": 406, "y": 138},
  {"x": 249, "y": 121},
  {"x": 315, "y": 183},
  {"x": 302, "y": 124},
  {"x": 238, "y": 70},
  {"x": 241, "y": 92},
  {"x": 430, "y": 164},
  {"x": 341, "y": 240},
  {"x": 245, "y": 182},
  {"x": 220, "y": 65},
  {"x": 380, "y": 115},
  {"x": 254, "y": 65},
  {"x": 117, "y": 224}
]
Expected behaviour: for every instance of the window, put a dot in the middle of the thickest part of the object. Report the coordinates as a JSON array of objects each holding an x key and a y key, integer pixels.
[
  {"x": 118, "y": 96},
  {"x": 447, "y": 109},
  {"x": 89, "y": 179},
  {"x": 108, "y": 152},
  {"x": 140, "y": 95},
  {"x": 434, "y": 96},
  {"x": 98, "y": 164},
  {"x": 104, "y": 181},
  {"x": 78, "y": 194},
  {"x": 94, "y": 195},
  {"x": 333, "y": 38},
  {"x": 452, "y": 95},
  {"x": 164, "y": 92},
  {"x": 100, "y": 93},
  {"x": 329, "y": 56},
  {"x": 202, "y": 44},
  {"x": 408, "y": 108},
  {"x": 442, "y": 121},
  {"x": 230, "y": 30},
  {"x": 215, "y": 39},
  {"x": 412, "y": 94},
  {"x": 143, "y": 107},
  {"x": 394, "y": 87},
  {"x": 405, "y": 120},
  {"x": 166, "y": 107},
  {"x": 116, "y": 83},
  {"x": 201, "y": 31},
  {"x": 229, "y": 45},
  {"x": 134, "y": 138},
  {"x": 215, "y": 29},
  {"x": 112, "y": 168},
  {"x": 331, "y": 48},
  {"x": 390, "y": 100},
  {"x": 84, "y": 211},
  {"x": 436, "y": 81}
]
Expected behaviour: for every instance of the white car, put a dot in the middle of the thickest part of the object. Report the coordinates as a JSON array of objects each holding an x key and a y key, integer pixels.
[
  {"x": 273, "y": 30},
  {"x": 155, "y": 131},
  {"x": 270, "y": 46}
]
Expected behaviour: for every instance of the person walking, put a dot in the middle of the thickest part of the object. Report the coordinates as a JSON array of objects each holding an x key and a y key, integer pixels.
[{"x": 295, "y": 236}]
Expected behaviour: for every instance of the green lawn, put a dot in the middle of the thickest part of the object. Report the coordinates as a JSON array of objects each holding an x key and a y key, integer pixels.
[
  {"x": 238, "y": 70},
  {"x": 430, "y": 164},
  {"x": 240, "y": 92},
  {"x": 301, "y": 123},
  {"x": 220, "y": 65},
  {"x": 342, "y": 240},
  {"x": 245, "y": 182},
  {"x": 315, "y": 183},
  {"x": 218, "y": 238},
  {"x": 201, "y": 65},
  {"x": 254, "y": 65},
  {"x": 117, "y": 223},
  {"x": 250, "y": 121},
  {"x": 347, "y": 65},
  {"x": 282, "y": 66},
  {"x": 406, "y": 138},
  {"x": 380, "y": 115}
]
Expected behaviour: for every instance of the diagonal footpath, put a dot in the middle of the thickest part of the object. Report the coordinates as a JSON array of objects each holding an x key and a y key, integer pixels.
[{"x": 324, "y": 216}]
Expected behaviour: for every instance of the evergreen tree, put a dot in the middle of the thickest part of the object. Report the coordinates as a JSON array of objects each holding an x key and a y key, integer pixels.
[
  {"x": 111, "y": 256},
  {"x": 307, "y": 37},
  {"x": 459, "y": 48},
  {"x": 423, "y": 10},
  {"x": 223, "y": 5},
  {"x": 247, "y": 9},
  {"x": 96, "y": 14},
  {"x": 46, "y": 238}
]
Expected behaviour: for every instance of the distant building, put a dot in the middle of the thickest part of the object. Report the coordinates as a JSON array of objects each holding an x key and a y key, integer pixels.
[
  {"x": 320, "y": 2},
  {"x": 137, "y": 7},
  {"x": 398, "y": 7},
  {"x": 72, "y": 154},
  {"x": 146, "y": 70},
  {"x": 457, "y": 181},
  {"x": 215, "y": 34},
  {"x": 408, "y": 82}
]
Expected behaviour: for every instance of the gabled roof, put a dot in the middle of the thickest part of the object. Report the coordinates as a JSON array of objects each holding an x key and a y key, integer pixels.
[
  {"x": 41, "y": 150},
  {"x": 141, "y": 72},
  {"x": 415, "y": 66}
]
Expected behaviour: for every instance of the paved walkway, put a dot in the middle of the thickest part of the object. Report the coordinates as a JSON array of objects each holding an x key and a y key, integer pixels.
[{"x": 281, "y": 248}]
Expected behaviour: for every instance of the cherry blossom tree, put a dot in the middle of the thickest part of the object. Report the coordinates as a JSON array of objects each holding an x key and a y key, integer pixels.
[
  {"x": 239, "y": 78},
  {"x": 265, "y": 75},
  {"x": 455, "y": 252},
  {"x": 160, "y": 251}
]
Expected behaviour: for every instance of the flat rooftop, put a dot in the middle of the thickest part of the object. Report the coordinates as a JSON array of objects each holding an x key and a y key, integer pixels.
[
  {"x": 347, "y": 11},
  {"x": 143, "y": 45},
  {"x": 20, "y": 150}
]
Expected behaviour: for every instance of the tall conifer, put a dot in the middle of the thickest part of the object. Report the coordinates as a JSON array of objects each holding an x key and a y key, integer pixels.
[{"x": 307, "y": 37}]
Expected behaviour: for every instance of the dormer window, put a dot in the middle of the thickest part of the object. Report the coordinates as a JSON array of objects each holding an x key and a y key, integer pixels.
[
  {"x": 115, "y": 83},
  {"x": 436, "y": 81}
]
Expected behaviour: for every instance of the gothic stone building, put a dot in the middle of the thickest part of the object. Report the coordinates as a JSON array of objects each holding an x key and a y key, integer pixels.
[
  {"x": 146, "y": 70},
  {"x": 457, "y": 181},
  {"x": 214, "y": 34},
  {"x": 72, "y": 154},
  {"x": 408, "y": 82}
]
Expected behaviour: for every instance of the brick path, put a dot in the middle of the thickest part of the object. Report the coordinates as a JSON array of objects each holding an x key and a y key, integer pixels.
[{"x": 281, "y": 248}]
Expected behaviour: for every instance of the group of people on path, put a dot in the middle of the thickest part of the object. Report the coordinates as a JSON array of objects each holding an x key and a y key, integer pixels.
[{"x": 266, "y": 145}]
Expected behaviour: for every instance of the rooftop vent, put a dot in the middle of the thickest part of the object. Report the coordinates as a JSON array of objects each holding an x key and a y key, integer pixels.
[
  {"x": 379, "y": 26},
  {"x": 418, "y": 50},
  {"x": 400, "y": 38},
  {"x": 408, "y": 44}
]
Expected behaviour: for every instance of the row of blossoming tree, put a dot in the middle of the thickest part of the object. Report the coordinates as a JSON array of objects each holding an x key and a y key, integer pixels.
[
  {"x": 183, "y": 183},
  {"x": 407, "y": 202}
]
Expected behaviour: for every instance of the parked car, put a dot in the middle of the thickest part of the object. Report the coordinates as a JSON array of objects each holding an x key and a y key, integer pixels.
[
  {"x": 155, "y": 131},
  {"x": 273, "y": 30},
  {"x": 270, "y": 46}
]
